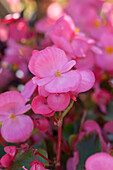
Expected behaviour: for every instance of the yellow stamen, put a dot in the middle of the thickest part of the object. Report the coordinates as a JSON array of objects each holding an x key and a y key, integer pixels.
[
  {"x": 104, "y": 76},
  {"x": 109, "y": 50},
  {"x": 12, "y": 116},
  {"x": 97, "y": 24},
  {"x": 77, "y": 30},
  {"x": 15, "y": 67},
  {"x": 57, "y": 73}
]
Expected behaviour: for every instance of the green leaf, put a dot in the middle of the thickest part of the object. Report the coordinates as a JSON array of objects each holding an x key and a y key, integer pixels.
[
  {"x": 71, "y": 139},
  {"x": 2, "y": 152},
  {"x": 87, "y": 146},
  {"x": 68, "y": 130},
  {"x": 109, "y": 115},
  {"x": 24, "y": 160}
]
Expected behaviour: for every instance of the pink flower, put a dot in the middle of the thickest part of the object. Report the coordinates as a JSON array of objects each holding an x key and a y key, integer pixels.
[
  {"x": 51, "y": 68},
  {"x": 18, "y": 30},
  {"x": 40, "y": 106},
  {"x": 105, "y": 60},
  {"x": 73, "y": 161},
  {"x": 99, "y": 161},
  {"x": 7, "y": 159},
  {"x": 42, "y": 125},
  {"x": 12, "y": 107},
  {"x": 101, "y": 97}
]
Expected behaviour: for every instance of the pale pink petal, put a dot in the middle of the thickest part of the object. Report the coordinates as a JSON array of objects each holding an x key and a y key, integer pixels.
[
  {"x": 62, "y": 43},
  {"x": 99, "y": 161},
  {"x": 46, "y": 62},
  {"x": 68, "y": 66},
  {"x": 80, "y": 47},
  {"x": 87, "y": 81},
  {"x": 58, "y": 102},
  {"x": 10, "y": 96},
  {"x": 65, "y": 82},
  {"x": 40, "y": 106},
  {"x": 42, "y": 91},
  {"x": 23, "y": 109},
  {"x": 28, "y": 90},
  {"x": 85, "y": 62},
  {"x": 18, "y": 129},
  {"x": 44, "y": 81},
  {"x": 108, "y": 127}
]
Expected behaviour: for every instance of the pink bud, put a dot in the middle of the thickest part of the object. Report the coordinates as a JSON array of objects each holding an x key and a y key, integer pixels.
[
  {"x": 6, "y": 160},
  {"x": 11, "y": 150},
  {"x": 43, "y": 125}
]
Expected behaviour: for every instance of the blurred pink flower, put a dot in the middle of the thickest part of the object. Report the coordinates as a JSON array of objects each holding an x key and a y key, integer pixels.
[
  {"x": 11, "y": 114},
  {"x": 99, "y": 161}
]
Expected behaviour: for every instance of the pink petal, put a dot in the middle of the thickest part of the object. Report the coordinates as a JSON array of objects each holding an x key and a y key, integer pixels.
[
  {"x": 62, "y": 43},
  {"x": 23, "y": 109},
  {"x": 40, "y": 106},
  {"x": 65, "y": 82},
  {"x": 44, "y": 81},
  {"x": 28, "y": 90},
  {"x": 108, "y": 127},
  {"x": 87, "y": 81},
  {"x": 46, "y": 62},
  {"x": 18, "y": 129},
  {"x": 11, "y": 150},
  {"x": 42, "y": 91},
  {"x": 99, "y": 161},
  {"x": 58, "y": 102},
  {"x": 86, "y": 62},
  {"x": 80, "y": 47},
  {"x": 10, "y": 96},
  {"x": 68, "y": 66}
]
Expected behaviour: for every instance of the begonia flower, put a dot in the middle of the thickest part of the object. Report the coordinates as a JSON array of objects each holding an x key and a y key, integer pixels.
[
  {"x": 99, "y": 161},
  {"x": 42, "y": 124},
  {"x": 52, "y": 69},
  {"x": 12, "y": 108},
  {"x": 105, "y": 60}
]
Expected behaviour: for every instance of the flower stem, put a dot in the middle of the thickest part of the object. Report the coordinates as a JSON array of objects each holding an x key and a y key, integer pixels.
[
  {"x": 67, "y": 110},
  {"x": 59, "y": 141}
]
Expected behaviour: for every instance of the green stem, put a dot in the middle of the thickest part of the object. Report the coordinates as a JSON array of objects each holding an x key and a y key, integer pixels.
[{"x": 67, "y": 110}]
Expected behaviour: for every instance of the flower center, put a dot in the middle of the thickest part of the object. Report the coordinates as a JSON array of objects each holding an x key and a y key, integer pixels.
[
  {"x": 15, "y": 67},
  {"x": 109, "y": 50},
  {"x": 12, "y": 116},
  {"x": 77, "y": 30},
  {"x": 97, "y": 24},
  {"x": 57, "y": 73}
]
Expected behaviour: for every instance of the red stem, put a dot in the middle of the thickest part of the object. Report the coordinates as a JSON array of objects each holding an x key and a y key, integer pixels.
[
  {"x": 2, "y": 141},
  {"x": 59, "y": 141},
  {"x": 44, "y": 157}
]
